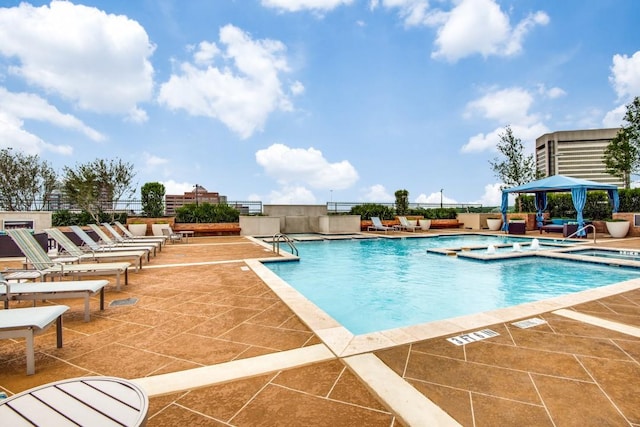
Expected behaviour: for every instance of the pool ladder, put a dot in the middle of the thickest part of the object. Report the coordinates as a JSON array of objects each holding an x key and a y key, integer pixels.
[
  {"x": 583, "y": 228},
  {"x": 279, "y": 237}
]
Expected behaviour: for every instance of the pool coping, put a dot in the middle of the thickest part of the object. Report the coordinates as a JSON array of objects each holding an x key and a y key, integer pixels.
[{"x": 343, "y": 343}]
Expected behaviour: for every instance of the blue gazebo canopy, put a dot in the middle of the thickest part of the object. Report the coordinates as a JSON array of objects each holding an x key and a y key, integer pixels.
[{"x": 559, "y": 183}]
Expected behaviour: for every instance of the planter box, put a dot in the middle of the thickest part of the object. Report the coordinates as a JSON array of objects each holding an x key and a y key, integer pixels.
[
  {"x": 445, "y": 223},
  {"x": 494, "y": 224},
  {"x": 9, "y": 249},
  {"x": 209, "y": 229}
]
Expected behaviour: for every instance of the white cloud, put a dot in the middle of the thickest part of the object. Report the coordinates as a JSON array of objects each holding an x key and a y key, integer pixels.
[
  {"x": 479, "y": 27},
  {"x": 291, "y": 195},
  {"x": 298, "y": 5},
  {"x": 615, "y": 117},
  {"x": 435, "y": 198},
  {"x": 152, "y": 161},
  {"x": 307, "y": 166},
  {"x": 625, "y": 76},
  {"x": 492, "y": 195},
  {"x": 97, "y": 61},
  {"x": 177, "y": 188},
  {"x": 13, "y": 135},
  {"x": 551, "y": 93},
  {"x": 241, "y": 92},
  {"x": 376, "y": 193},
  {"x": 625, "y": 79},
  {"x": 506, "y": 107}
]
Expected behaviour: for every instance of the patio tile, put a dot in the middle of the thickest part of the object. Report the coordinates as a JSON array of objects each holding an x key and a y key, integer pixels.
[
  {"x": 577, "y": 403},
  {"x": 490, "y": 411},
  {"x": 455, "y": 402},
  {"x": 263, "y": 336},
  {"x": 200, "y": 349},
  {"x": 108, "y": 361}
]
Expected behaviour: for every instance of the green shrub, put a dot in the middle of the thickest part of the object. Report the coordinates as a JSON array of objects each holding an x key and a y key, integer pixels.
[
  {"x": 66, "y": 218},
  {"x": 367, "y": 210},
  {"x": 207, "y": 212}
]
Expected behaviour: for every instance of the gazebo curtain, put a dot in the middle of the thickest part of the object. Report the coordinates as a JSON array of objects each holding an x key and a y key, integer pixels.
[
  {"x": 503, "y": 209},
  {"x": 579, "y": 197},
  {"x": 541, "y": 205}
]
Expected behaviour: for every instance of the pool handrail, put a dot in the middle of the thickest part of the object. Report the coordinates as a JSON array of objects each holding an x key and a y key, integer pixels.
[{"x": 581, "y": 229}]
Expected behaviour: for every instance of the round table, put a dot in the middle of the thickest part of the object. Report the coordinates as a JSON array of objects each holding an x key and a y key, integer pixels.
[{"x": 86, "y": 401}]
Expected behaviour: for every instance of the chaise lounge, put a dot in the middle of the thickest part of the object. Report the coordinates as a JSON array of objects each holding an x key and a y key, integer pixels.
[{"x": 377, "y": 225}]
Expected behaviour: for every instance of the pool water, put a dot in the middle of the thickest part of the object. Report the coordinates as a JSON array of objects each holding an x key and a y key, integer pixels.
[{"x": 374, "y": 285}]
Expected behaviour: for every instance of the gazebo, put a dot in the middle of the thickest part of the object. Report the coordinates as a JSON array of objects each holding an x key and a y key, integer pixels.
[{"x": 559, "y": 183}]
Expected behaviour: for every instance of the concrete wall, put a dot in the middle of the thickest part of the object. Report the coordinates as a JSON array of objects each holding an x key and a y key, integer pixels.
[
  {"x": 339, "y": 224},
  {"x": 259, "y": 225},
  {"x": 476, "y": 221},
  {"x": 295, "y": 210},
  {"x": 296, "y": 219},
  {"x": 41, "y": 219}
]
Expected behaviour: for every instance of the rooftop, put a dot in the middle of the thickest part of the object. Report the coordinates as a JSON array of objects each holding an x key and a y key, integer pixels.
[{"x": 213, "y": 342}]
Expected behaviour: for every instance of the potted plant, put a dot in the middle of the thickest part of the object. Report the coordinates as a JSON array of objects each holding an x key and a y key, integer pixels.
[
  {"x": 494, "y": 224},
  {"x": 617, "y": 227},
  {"x": 157, "y": 227},
  {"x": 137, "y": 228}
]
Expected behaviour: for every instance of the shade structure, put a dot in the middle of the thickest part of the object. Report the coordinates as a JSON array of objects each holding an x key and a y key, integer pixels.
[{"x": 560, "y": 183}]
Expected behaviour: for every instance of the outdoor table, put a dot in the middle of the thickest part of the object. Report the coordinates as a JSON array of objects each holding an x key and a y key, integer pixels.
[
  {"x": 87, "y": 401},
  {"x": 186, "y": 234}
]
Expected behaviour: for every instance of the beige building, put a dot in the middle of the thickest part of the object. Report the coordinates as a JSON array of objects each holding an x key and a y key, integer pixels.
[{"x": 576, "y": 153}]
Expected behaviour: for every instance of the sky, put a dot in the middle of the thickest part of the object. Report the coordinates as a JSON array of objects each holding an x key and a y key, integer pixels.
[{"x": 311, "y": 101}]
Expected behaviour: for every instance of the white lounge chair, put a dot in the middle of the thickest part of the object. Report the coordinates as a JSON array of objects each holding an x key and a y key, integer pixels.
[
  {"x": 74, "y": 250},
  {"x": 40, "y": 261},
  {"x": 113, "y": 243},
  {"x": 53, "y": 290},
  {"x": 377, "y": 225},
  {"x": 98, "y": 248},
  {"x": 136, "y": 239},
  {"x": 28, "y": 322},
  {"x": 404, "y": 224}
]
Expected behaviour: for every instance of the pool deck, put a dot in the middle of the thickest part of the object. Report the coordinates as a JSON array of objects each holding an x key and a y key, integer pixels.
[{"x": 215, "y": 339}]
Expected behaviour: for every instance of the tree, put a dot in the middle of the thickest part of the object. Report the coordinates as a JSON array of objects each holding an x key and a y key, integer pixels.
[
  {"x": 402, "y": 202},
  {"x": 516, "y": 168},
  {"x": 622, "y": 155},
  {"x": 153, "y": 199},
  {"x": 99, "y": 185},
  {"x": 27, "y": 181}
]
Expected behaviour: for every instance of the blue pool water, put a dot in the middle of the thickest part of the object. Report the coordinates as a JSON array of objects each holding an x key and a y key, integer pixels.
[{"x": 374, "y": 285}]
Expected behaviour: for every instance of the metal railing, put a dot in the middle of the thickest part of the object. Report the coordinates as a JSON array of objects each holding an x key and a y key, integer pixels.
[
  {"x": 345, "y": 207},
  {"x": 279, "y": 237}
]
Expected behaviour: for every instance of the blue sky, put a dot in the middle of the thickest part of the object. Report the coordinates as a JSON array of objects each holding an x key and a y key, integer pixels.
[{"x": 309, "y": 101}]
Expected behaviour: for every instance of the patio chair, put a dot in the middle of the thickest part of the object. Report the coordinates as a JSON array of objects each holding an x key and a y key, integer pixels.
[
  {"x": 74, "y": 250},
  {"x": 113, "y": 243},
  {"x": 377, "y": 225},
  {"x": 136, "y": 239},
  {"x": 41, "y": 261},
  {"x": 96, "y": 247},
  {"x": 171, "y": 235},
  {"x": 53, "y": 290}
]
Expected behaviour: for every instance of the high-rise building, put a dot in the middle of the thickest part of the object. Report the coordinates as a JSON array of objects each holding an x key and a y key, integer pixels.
[
  {"x": 199, "y": 195},
  {"x": 576, "y": 153}
]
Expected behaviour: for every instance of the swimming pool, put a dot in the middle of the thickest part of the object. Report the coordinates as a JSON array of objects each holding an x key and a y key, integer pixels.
[
  {"x": 374, "y": 285},
  {"x": 631, "y": 255}
]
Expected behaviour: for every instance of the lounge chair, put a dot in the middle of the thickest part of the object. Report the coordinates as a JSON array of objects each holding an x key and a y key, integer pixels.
[
  {"x": 142, "y": 239},
  {"x": 129, "y": 235},
  {"x": 74, "y": 250},
  {"x": 53, "y": 290},
  {"x": 377, "y": 225},
  {"x": 404, "y": 223},
  {"x": 113, "y": 243},
  {"x": 97, "y": 248},
  {"x": 171, "y": 236},
  {"x": 28, "y": 322},
  {"x": 41, "y": 261}
]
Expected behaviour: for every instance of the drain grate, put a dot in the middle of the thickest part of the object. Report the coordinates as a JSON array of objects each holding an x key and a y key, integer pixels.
[
  {"x": 121, "y": 302},
  {"x": 529, "y": 323},
  {"x": 473, "y": 337}
]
